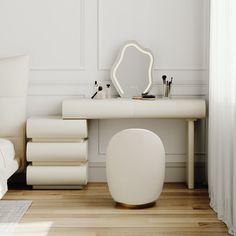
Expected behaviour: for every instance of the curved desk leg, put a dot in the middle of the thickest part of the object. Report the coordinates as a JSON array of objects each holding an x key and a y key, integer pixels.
[{"x": 190, "y": 154}]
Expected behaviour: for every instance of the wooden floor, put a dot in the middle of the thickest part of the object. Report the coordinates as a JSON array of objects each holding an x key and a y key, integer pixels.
[{"x": 91, "y": 212}]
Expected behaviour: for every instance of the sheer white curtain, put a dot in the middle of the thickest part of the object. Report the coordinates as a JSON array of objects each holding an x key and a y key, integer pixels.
[{"x": 222, "y": 111}]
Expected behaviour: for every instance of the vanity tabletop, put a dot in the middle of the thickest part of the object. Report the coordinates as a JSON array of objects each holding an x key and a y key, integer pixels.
[{"x": 117, "y": 108}]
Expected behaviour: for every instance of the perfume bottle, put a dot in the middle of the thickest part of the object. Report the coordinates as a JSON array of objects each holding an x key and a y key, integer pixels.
[{"x": 108, "y": 90}]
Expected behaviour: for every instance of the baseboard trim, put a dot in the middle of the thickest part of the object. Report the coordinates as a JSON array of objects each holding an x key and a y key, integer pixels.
[{"x": 175, "y": 172}]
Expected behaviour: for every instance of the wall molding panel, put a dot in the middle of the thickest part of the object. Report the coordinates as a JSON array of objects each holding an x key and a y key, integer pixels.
[
  {"x": 43, "y": 29},
  {"x": 201, "y": 31},
  {"x": 81, "y": 66}
]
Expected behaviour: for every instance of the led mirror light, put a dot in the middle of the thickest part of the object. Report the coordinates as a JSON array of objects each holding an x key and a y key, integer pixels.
[{"x": 131, "y": 73}]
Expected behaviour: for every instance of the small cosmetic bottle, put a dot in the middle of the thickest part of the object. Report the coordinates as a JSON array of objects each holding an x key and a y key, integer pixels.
[
  {"x": 108, "y": 91},
  {"x": 95, "y": 87}
]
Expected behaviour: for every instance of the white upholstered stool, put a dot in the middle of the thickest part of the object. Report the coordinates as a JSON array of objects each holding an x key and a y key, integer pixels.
[{"x": 135, "y": 167}]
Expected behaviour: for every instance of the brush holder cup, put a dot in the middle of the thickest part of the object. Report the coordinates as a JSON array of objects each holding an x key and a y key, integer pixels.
[
  {"x": 166, "y": 91},
  {"x": 135, "y": 168}
]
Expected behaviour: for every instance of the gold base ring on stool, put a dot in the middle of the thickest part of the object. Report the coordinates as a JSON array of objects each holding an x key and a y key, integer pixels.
[{"x": 130, "y": 206}]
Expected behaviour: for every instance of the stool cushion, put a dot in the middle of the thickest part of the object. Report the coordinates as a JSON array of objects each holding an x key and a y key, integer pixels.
[{"x": 135, "y": 166}]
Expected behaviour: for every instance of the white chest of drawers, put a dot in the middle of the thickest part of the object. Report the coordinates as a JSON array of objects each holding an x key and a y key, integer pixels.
[{"x": 57, "y": 151}]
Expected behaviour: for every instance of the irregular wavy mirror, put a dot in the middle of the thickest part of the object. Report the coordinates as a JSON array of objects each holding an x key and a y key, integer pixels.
[{"x": 131, "y": 73}]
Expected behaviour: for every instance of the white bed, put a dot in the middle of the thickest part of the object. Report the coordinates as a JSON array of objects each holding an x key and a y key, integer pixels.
[{"x": 13, "y": 93}]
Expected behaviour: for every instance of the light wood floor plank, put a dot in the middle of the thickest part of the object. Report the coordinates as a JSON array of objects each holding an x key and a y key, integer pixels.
[{"x": 92, "y": 212}]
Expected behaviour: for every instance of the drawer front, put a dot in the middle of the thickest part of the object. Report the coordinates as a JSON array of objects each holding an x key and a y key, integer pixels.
[
  {"x": 53, "y": 152},
  {"x": 56, "y": 127},
  {"x": 57, "y": 175}
]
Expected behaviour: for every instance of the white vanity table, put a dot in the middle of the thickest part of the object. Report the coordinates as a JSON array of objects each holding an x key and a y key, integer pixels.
[
  {"x": 118, "y": 108},
  {"x": 57, "y": 147}
]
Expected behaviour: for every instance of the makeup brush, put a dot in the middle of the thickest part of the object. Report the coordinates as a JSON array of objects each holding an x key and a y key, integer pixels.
[
  {"x": 99, "y": 89},
  {"x": 164, "y": 79}
]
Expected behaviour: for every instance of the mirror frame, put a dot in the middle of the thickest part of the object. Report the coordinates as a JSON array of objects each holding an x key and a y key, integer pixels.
[{"x": 118, "y": 61}]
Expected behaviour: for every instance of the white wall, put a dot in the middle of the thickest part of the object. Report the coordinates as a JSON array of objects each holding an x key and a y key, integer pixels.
[{"x": 74, "y": 42}]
